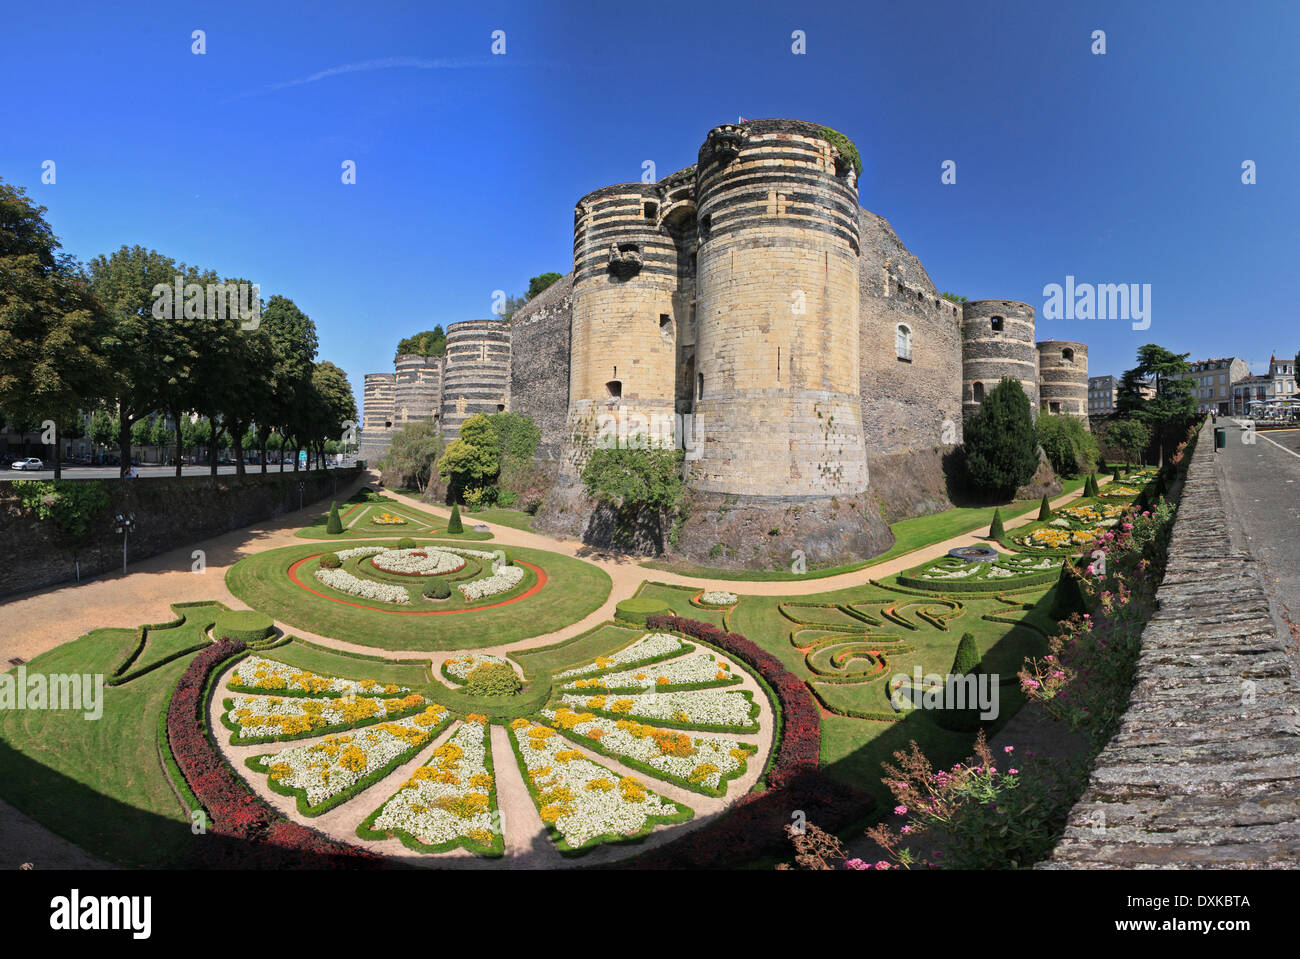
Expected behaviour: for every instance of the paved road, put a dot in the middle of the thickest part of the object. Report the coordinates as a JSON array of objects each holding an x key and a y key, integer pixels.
[
  {"x": 112, "y": 472},
  {"x": 1262, "y": 482}
]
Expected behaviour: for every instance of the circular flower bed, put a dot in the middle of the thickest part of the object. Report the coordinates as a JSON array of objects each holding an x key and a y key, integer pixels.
[
  {"x": 718, "y": 597},
  {"x": 422, "y": 561}
]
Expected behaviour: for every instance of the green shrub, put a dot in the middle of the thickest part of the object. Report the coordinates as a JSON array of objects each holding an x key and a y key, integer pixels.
[
  {"x": 1070, "y": 448},
  {"x": 965, "y": 663},
  {"x": 492, "y": 679},
  {"x": 996, "y": 530},
  {"x": 1045, "y": 509},
  {"x": 245, "y": 626},
  {"x": 639, "y": 609},
  {"x": 334, "y": 525},
  {"x": 1069, "y": 593},
  {"x": 1000, "y": 443},
  {"x": 454, "y": 525},
  {"x": 330, "y": 561},
  {"x": 438, "y": 589},
  {"x": 967, "y": 659},
  {"x": 406, "y": 543}
]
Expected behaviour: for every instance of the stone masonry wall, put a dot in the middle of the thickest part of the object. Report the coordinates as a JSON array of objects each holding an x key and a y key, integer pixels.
[
  {"x": 169, "y": 513},
  {"x": 539, "y": 363},
  {"x": 1204, "y": 771}
]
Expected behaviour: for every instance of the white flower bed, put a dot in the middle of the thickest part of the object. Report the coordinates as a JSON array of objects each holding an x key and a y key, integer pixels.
[
  {"x": 580, "y": 798},
  {"x": 258, "y": 673},
  {"x": 717, "y": 597},
  {"x": 650, "y": 646},
  {"x": 360, "y": 551},
  {"x": 699, "y": 707},
  {"x": 418, "y": 561},
  {"x": 703, "y": 668},
  {"x": 506, "y": 578},
  {"x": 476, "y": 553},
  {"x": 711, "y": 760},
  {"x": 258, "y": 716},
  {"x": 339, "y": 762},
  {"x": 461, "y": 667},
  {"x": 941, "y": 572},
  {"x": 345, "y": 582},
  {"x": 450, "y": 798}
]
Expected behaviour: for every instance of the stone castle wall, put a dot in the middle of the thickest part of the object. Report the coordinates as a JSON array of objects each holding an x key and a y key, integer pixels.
[
  {"x": 910, "y": 402},
  {"x": 988, "y": 354},
  {"x": 1063, "y": 378},
  {"x": 539, "y": 364}
]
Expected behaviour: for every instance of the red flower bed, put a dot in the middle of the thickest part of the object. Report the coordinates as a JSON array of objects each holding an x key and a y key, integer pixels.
[
  {"x": 245, "y": 831},
  {"x": 797, "y": 789}
]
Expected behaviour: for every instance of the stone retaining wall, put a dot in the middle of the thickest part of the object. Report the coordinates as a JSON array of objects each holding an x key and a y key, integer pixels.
[
  {"x": 1204, "y": 770},
  {"x": 170, "y": 512}
]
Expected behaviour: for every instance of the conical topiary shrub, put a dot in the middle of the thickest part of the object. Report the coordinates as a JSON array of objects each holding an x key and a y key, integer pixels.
[
  {"x": 966, "y": 663},
  {"x": 1069, "y": 593},
  {"x": 1117, "y": 473},
  {"x": 454, "y": 525},
  {"x": 334, "y": 525},
  {"x": 1045, "y": 509},
  {"x": 995, "y": 528}
]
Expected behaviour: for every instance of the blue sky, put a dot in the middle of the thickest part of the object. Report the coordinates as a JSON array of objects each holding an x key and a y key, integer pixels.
[{"x": 1122, "y": 168}]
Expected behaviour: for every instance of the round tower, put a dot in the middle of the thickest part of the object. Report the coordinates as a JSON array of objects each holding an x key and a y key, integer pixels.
[
  {"x": 631, "y": 257},
  {"x": 1063, "y": 378},
  {"x": 997, "y": 341},
  {"x": 417, "y": 388},
  {"x": 476, "y": 372},
  {"x": 776, "y": 385}
]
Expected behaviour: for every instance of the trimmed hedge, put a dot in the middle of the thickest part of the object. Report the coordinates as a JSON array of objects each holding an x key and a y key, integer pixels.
[
  {"x": 639, "y": 610},
  {"x": 245, "y": 626}
]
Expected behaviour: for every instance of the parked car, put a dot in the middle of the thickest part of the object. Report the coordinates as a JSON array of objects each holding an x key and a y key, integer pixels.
[{"x": 31, "y": 463}]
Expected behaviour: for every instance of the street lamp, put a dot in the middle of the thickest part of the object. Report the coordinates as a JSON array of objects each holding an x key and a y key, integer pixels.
[
  {"x": 124, "y": 525},
  {"x": 301, "y": 486}
]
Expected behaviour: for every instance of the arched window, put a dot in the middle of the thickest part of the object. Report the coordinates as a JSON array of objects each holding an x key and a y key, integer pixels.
[
  {"x": 1067, "y": 356},
  {"x": 978, "y": 392},
  {"x": 903, "y": 342},
  {"x": 700, "y": 393},
  {"x": 615, "y": 388},
  {"x": 996, "y": 323}
]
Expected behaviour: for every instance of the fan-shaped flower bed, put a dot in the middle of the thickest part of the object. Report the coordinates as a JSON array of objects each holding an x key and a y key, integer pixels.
[{"x": 421, "y": 561}]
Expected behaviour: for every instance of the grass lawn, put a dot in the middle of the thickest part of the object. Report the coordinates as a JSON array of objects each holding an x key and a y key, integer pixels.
[
  {"x": 98, "y": 783},
  {"x": 909, "y": 535},
  {"x": 357, "y": 519},
  {"x": 514, "y": 518},
  {"x": 573, "y": 590},
  {"x": 852, "y": 748}
]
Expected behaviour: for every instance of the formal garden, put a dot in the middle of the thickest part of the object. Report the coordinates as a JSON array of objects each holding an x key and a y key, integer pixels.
[{"x": 397, "y": 692}]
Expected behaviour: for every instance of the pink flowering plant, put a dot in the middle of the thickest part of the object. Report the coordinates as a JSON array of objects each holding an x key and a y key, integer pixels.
[{"x": 981, "y": 814}]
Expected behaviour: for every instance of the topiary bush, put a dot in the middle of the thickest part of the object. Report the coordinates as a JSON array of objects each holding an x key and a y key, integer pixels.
[
  {"x": 454, "y": 524},
  {"x": 492, "y": 679},
  {"x": 967, "y": 660},
  {"x": 1045, "y": 509},
  {"x": 1069, "y": 597},
  {"x": 438, "y": 589},
  {"x": 639, "y": 609},
  {"x": 996, "y": 530},
  {"x": 243, "y": 626},
  {"x": 406, "y": 543},
  {"x": 334, "y": 525},
  {"x": 965, "y": 663},
  {"x": 330, "y": 561}
]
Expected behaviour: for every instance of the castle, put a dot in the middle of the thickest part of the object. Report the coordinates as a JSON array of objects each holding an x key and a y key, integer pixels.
[{"x": 824, "y": 375}]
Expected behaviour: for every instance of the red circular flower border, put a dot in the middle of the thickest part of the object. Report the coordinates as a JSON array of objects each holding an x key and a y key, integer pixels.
[{"x": 541, "y": 581}]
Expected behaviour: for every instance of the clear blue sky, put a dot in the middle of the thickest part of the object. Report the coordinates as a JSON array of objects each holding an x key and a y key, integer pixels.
[{"x": 1122, "y": 168}]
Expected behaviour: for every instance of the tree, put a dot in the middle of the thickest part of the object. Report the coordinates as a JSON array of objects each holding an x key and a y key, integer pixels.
[
  {"x": 414, "y": 453},
  {"x": 429, "y": 343},
  {"x": 466, "y": 466},
  {"x": 1173, "y": 408},
  {"x": 51, "y": 325},
  {"x": 1001, "y": 446},
  {"x": 634, "y": 479},
  {"x": 517, "y": 436},
  {"x": 103, "y": 428},
  {"x": 1044, "y": 509},
  {"x": 332, "y": 405},
  {"x": 334, "y": 525},
  {"x": 293, "y": 345},
  {"x": 454, "y": 523},
  {"x": 539, "y": 283},
  {"x": 996, "y": 529},
  {"x": 1070, "y": 448},
  {"x": 1131, "y": 437},
  {"x": 141, "y": 348}
]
